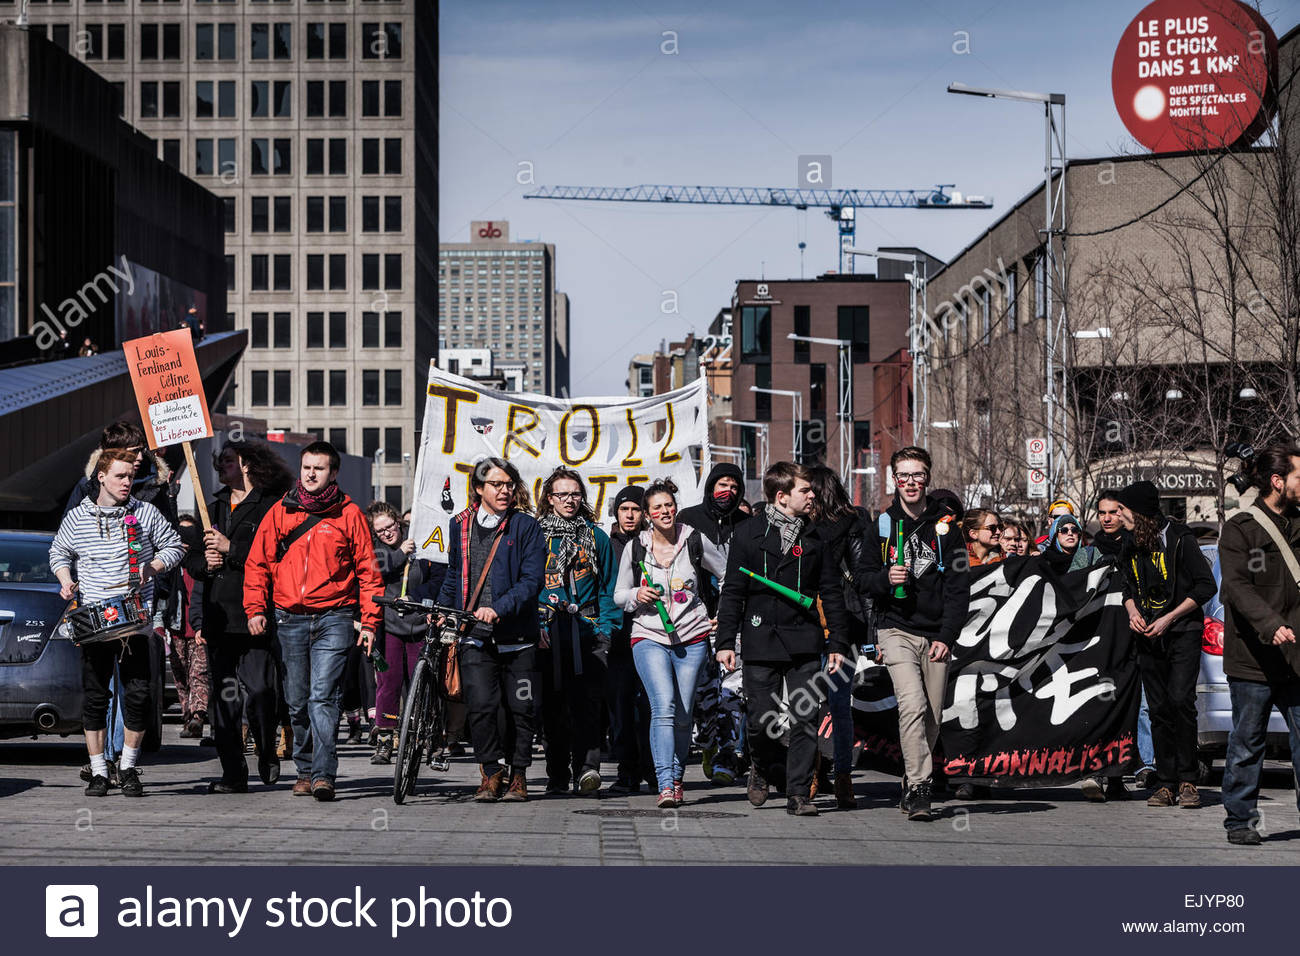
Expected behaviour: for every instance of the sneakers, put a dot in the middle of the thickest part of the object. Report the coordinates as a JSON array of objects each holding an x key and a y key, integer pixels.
[
  {"x": 383, "y": 748},
  {"x": 1188, "y": 796},
  {"x": 800, "y": 807},
  {"x": 86, "y": 775},
  {"x": 844, "y": 798},
  {"x": 667, "y": 799},
  {"x": 589, "y": 782},
  {"x": 98, "y": 786},
  {"x": 517, "y": 792},
  {"x": 489, "y": 787},
  {"x": 322, "y": 790},
  {"x": 916, "y": 802},
  {"x": 1092, "y": 789},
  {"x": 302, "y": 786},
  {"x": 757, "y": 787},
  {"x": 131, "y": 786},
  {"x": 1164, "y": 797},
  {"x": 679, "y": 792},
  {"x": 1244, "y": 836},
  {"x": 723, "y": 775}
]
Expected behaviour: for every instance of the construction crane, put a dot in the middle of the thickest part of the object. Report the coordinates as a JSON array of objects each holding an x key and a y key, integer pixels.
[{"x": 841, "y": 205}]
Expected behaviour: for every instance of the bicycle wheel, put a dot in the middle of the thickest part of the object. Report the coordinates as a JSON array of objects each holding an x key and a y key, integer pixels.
[{"x": 415, "y": 718}]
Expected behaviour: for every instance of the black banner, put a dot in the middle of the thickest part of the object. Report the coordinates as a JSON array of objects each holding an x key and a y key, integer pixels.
[{"x": 1043, "y": 688}]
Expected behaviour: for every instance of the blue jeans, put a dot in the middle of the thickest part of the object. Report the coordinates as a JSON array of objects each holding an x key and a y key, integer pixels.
[
  {"x": 115, "y": 738},
  {"x": 669, "y": 675},
  {"x": 315, "y": 649},
  {"x": 1252, "y": 703},
  {"x": 1146, "y": 749},
  {"x": 840, "y": 702}
]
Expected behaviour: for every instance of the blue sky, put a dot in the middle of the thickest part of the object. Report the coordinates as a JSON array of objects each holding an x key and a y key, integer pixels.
[{"x": 584, "y": 93}]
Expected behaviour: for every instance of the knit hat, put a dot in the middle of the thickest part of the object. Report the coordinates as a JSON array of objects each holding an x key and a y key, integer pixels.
[
  {"x": 1141, "y": 497},
  {"x": 949, "y": 502},
  {"x": 632, "y": 493}
]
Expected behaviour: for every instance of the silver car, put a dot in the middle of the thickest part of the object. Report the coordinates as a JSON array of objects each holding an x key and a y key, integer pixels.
[{"x": 1213, "y": 704}]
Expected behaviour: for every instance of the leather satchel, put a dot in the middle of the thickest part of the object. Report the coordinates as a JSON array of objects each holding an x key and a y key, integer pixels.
[{"x": 451, "y": 682}]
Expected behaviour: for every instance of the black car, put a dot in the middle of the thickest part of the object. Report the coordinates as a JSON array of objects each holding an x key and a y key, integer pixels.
[{"x": 40, "y": 667}]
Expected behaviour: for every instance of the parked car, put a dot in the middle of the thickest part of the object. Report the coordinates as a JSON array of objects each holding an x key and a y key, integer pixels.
[
  {"x": 1213, "y": 703},
  {"x": 40, "y": 667}
]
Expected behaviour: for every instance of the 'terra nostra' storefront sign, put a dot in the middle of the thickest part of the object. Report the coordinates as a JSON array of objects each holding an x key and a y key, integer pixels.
[{"x": 1196, "y": 74}]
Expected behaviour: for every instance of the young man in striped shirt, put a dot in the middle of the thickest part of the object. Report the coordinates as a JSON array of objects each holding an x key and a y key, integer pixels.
[{"x": 95, "y": 538}]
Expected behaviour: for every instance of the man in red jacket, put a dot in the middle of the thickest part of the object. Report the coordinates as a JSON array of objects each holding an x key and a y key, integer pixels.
[{"x": 313, "y": 565}]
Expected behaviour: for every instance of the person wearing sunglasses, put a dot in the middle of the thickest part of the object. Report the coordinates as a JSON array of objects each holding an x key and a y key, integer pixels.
[
  {"x": 914, "y": 570},
  {"x": 1065, "y": 550},
  {"x": 982, "y": 529}
]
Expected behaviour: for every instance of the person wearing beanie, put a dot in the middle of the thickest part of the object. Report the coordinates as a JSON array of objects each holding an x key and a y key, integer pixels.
[
  {"x": 718, "y": 514},
  {"x": 1065, "y": 550},
  {"x": 1166, "y": 580},
  {"x": 629, "y": 708}
]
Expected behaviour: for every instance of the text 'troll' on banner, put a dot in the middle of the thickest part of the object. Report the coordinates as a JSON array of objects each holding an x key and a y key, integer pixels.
[{"x": 610, "y": 442}]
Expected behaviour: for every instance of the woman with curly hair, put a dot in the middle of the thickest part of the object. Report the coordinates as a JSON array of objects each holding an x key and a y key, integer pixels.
[{"x": 253, "y": 478}]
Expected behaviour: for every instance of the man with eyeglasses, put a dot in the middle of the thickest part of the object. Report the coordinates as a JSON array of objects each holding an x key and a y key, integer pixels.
[
  {"x": 579, "y": 615},
  {"x": 920, "y": 590}
]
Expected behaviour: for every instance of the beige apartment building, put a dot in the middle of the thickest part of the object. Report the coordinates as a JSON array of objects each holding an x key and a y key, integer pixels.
[{"x": 316, "y": 122}]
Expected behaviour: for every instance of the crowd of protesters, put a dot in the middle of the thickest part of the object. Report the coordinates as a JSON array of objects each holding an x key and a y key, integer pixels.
[{"x": 675, "y": 627}]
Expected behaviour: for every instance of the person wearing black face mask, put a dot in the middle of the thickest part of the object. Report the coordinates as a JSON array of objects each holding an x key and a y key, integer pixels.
[{"x": 719, "y": 708}]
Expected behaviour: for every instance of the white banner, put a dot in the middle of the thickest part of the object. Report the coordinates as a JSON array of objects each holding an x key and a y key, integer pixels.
[{"x": 611, "y": 442}]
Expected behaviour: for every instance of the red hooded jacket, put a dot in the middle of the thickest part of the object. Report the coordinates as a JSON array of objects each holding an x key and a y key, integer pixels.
[{"x": 332, "y": 565}]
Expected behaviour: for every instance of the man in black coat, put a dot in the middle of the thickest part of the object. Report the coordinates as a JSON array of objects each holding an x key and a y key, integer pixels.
[{"x": 782, "y": 640}]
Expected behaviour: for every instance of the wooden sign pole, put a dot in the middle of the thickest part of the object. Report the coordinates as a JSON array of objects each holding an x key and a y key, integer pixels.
[{"x": 200, "y": 502}]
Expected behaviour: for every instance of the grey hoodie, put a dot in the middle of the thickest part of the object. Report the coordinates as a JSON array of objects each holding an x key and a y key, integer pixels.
[{"x": 91, "y": 541}]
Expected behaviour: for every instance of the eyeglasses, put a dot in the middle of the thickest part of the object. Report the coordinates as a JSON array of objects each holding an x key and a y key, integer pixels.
[
  {"x": 567, "y": 495},
  {"x": 500, "y": 485},
  {"x": 914, "y": 478},
  {"x": 992, "y": 528},
  {"x": 387, "y": 529}
]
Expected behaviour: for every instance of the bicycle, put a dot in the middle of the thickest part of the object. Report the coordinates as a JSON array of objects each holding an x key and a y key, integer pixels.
[{"x": 424, "y": 713}]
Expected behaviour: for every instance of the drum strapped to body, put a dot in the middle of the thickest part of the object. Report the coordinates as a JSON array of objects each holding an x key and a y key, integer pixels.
[{"x": 115, "y": 618}]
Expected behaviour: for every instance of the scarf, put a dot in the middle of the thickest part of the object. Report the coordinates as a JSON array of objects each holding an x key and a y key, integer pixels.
[
  {"x": 573, "y": 534},
  {"x": 789, "y": 526},
  {"x": 315, "y": 504}
]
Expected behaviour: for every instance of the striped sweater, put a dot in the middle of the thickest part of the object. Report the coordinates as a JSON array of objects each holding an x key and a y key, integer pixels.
[{"x": 91, "y": 542}]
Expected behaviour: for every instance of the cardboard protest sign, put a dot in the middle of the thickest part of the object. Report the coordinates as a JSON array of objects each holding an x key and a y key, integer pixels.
[{"x": 168, "y": 388}]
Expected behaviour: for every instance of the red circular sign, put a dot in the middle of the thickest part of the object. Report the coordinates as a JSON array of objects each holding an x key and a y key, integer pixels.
[{"x": 1195, "y": 74}]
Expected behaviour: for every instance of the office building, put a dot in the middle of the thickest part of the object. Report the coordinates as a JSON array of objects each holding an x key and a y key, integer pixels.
[
  {"x": 500, "y": 295},
  {"x": 316, "y": 124}
]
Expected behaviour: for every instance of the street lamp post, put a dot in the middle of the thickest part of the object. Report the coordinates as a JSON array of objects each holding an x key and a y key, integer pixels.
[
  {"x": 845, "y": 396},
  {"x": 918, "y": 337},
  {"x": 762, "y": 429},
  {"x": 796, "y": 407},
  {"x": 1054, "y": 261}
]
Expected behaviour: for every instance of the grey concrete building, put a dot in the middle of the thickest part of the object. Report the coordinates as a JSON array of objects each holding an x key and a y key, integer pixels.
[
  {"x": 316, "y": 122},
  {"x": 500, "y": 295}
]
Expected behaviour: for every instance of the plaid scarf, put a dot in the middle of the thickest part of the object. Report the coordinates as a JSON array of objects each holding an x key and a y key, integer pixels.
[
  {"x": 574, "y": 535},
  {"x": 789, "y": 526},
  {"x": 314, "y": 504}
]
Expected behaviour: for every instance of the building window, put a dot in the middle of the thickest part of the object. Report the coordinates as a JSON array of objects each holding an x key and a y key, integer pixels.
[
  {"x": 762, "y": 400},
  {"x": 338, "y": 330},
  {"x": 315, "y": 387},
  {"x": 381, "y": 41},
  {"x": 338, "y": 98},
  {"x": 370, "y": 330},
  {"x": 259, "y": 220},
  {"x": 756, "y": 333},
  {"x": 119, "y": 97},
  {"x": 381, "y": 157},
  {"x": 258, "y": 383},
  {"x": 392, "y": 214},
  {"x": 339, "y": 439},
  {"x": 327, "y": 98},
  {"x": 393, "y": 270},
  {"x": 315, "y": 209},
  {"x": 338, "y": 213},
  {"x": 225, "y": 41},
  {"x": 116, "y": 40},
  {"x": 338, "y": 386},
  {"x": 205, "y": 46},
  {"x": 228, "y": 212},
  {"x": 338, "y": 271},
  {"x": 392, "y": 330},
  {"x": 258, "y": 335},
  {"x": 370, "y": 270},
  {"x": 373, "y": 90},
  {"x": 204, "y": 159},
  {"x": 853, "y": 322},
  {"x": 171, "y": 99},
  {"x": 817, "y": 390},
  {"x": 230, "y": 273},
  {"x": 1009, "y": 298},
  {"x": 282, "y": 266},
  {"x": 270, "y": 41},
  {"x": 205, "y": 107},
  {"x": 282, "y": 392},
  {"x": 338, "y": 150},
  {"x": 171, "y": 152},
  {"x": 280, "y": 331},
  {"x": 282, "y": 213},
  {"x": 61, "y": 36},
  {"x": 315, "y": 330},
  {"x": 392, "y": 386},
  {"x": 369, "y": 442},
  {"x": 369, "y": 213},
  {"x": 393, "y": 444},
  {"x": 802, "y": 326},
  {"x": 149, "y": 42},
  {"x": 271, "y": 98},
  {"x": 148, "y": 99},
  {"x": 259, "y": 156},
  {"x": 370, "y": 386},
  {"x": 259, "y": 275},
  {"x": 315, "y": 272}
]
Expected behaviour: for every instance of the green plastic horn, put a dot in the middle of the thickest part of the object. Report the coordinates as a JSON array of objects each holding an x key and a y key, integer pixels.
[
  {"x": 802, "y": 600},
  {"x": 667, "y": 622}
]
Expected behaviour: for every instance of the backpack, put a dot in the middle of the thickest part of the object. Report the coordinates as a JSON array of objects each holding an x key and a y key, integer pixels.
[{"x": 695, "y": 553}]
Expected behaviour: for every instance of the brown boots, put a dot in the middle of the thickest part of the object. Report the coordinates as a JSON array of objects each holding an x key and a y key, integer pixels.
[
  {"x": 518, "y": 791},
  {"x": 492, "y": 787}
]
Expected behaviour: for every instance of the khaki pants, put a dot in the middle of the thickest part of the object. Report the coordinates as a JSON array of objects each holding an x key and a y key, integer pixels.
[{"x": 919, "y": 684}]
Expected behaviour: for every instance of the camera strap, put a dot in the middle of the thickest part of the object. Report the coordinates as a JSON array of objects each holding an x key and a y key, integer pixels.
[{"x": 1270, "y": 528}]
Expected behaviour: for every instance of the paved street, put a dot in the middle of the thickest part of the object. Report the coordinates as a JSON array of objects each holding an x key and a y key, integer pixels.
[{"x": 46, "y": 819}]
